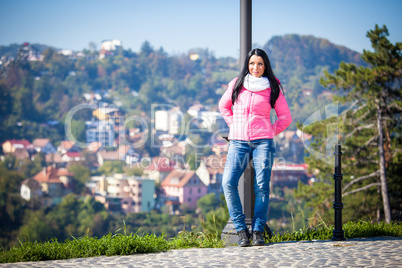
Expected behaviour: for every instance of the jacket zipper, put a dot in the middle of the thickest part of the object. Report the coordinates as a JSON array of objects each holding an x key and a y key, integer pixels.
[{"x": 248, "y": 118}]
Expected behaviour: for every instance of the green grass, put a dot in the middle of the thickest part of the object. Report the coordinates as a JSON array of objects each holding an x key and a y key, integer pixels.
[
  {"x": 108, "y": 245},
  {"x": 126, "y": 244},
  {"x": 351, "y": 230},
  {"x": 192, "y": 239}
]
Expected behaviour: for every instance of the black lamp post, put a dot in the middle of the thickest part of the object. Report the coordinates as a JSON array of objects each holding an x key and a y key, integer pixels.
[
  {"x": 246, "y": 182},
  {"x": 245, "y": 30}
]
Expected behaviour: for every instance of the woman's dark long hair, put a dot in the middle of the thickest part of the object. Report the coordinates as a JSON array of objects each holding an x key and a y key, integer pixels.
[{"x": 274, "y": 84}]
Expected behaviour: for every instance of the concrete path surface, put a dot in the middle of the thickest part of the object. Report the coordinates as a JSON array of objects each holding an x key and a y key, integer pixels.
[{"x": 361, "y": 252}]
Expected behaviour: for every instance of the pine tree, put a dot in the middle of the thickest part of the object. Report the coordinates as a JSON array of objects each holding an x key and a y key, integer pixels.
[{"x": 378, "y": 90}]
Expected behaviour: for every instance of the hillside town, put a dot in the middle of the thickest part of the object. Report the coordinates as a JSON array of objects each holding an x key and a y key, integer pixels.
[
  {"x": 179, "y": 184},
  {"x": 166, "y": 180}
]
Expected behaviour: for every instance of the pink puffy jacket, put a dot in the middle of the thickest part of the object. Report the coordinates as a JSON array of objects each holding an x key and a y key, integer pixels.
[{"x": 250, "y": 117}]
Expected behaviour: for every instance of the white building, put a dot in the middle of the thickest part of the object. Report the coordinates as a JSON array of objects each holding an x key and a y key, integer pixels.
[
  {"x": 100, "y": 131},
  {"x": 111, "y": 45},
  {"x": 195, "y": 110},
  {"x": 30, "y": 189},
  {"x": 110, "y": 48},
  {"x": 169, "y": 121}
]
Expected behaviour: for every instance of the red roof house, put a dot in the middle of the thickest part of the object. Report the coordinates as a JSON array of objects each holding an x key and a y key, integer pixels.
[
  {"x": 158, "y": 168},
  {"x": 55, "y": 183},
  {"x": 9, "y": 146}
]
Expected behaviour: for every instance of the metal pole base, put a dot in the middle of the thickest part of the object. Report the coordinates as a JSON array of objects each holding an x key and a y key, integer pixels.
[
  {"x": 229, "y": 234},
  {"x": 338, "y": 235}
]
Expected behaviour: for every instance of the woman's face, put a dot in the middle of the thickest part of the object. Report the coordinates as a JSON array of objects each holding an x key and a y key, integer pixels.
[{"x": 256, "y": 66}]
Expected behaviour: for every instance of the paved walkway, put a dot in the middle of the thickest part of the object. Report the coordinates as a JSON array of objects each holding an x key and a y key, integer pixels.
[{"x": 365, "y": 252}]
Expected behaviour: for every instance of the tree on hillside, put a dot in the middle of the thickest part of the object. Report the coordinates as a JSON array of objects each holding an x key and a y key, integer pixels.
[
  {"x": 11, "y": 204},
  {"x": 377, "y": 88},
  {"x": 82, "y": 175},
  {"x": 208, "y": 202}
]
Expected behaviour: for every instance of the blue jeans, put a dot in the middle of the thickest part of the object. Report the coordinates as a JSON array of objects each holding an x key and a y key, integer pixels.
[{"x": 261, "y": 153}]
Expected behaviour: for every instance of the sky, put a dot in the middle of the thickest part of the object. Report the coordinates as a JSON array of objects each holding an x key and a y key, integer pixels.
[{"x": 181, "y": 25}]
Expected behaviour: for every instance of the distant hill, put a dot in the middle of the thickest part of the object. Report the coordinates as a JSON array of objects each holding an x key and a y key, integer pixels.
[
  {"x": 301, "y": 55},
  {"x": 299, "y": 62}
]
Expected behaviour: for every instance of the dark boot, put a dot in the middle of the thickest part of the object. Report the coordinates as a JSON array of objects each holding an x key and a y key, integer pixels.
[
  {"x": 244, "y": 238},
  {"x": 258, "y": 240}
]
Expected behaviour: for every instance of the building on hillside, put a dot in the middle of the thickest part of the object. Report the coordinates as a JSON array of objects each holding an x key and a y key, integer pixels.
[
  {"x": 125, "y": 153},
  {"x": 128, "y": 154},
  {"x": 23, "y": 154},
  {"x": 292, "y": 145},
  {"x": 70, "y": 157},
  {"x": 106, "y": 113},
  {"x": 185, "y": 185},
  {"x": 95, "y": 147},
  {"x": 92, "y": 98},
  {"x": 307, "y": 92},
  {"x": 289, "y": 175},
  {"x": 44, "y": 146},
  {"x": 121, "y": 133},
  {"x": 107, "y": 156},
  {"x": 129, "y": 194},
  {"x": 10, "y": 146},
  {"x": 174, "y": 150},
  {"x": 30, "y": 189},
  {"x": 66, "y": 52},
  {"x": 220, "y": 147},
  {"x": 169, "y": 121},
  {"x": 27, "y": 52},
  {"x": 55, "y": 183},
  {"x": 195, "y": 110},
  {"x": 210, "y": 172},
  {"x": 100, "y": 131},
  {"x": 135, "y": 133},
  {"x": 167, "y": 139},
  {"x": 67, "y": 146},
  {"x": 158, "y": 168},
  {"x": 111, "y": 45},
  {"x": 55, "y": 160},
  {"x": 110, "y": 48}
]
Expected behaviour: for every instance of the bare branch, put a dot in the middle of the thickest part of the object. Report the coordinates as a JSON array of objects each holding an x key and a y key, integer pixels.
[
  {"x": 359, "y": 128},
  {"x": 366, "y": 144},
  {"x": 351, "y": 106},
  {"x": 361, "y": 189},
  {"x": 397, "y": 150},
  {"x": 360, "y": 179},
  {"x": 394, "y": 105},
  {"x": 363, "y": 161},
  {"x": 358, "y": 109},
  {"x": 388, "y": 118},
  {"x": 370, "y": 140},
  {"x": 364, "y": 115}
]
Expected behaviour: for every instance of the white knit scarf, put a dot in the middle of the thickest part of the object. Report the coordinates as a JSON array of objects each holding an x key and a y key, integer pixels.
[{"x": 255, "y": 84}]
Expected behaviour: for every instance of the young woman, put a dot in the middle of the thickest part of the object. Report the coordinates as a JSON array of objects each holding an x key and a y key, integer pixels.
[{"x": 246, "y": 107}]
